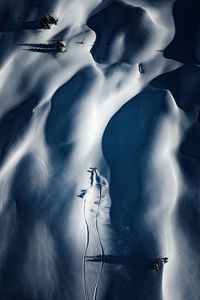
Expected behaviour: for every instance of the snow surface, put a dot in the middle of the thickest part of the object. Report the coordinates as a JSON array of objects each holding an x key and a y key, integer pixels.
[{"x": 99, "y": 156}]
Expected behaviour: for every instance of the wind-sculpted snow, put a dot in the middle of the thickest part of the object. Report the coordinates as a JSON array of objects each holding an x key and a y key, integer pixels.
[{"x": 99, "y": 156}]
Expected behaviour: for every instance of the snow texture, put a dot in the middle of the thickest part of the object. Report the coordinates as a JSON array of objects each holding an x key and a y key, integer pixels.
[{"x": 99, "y": 150}]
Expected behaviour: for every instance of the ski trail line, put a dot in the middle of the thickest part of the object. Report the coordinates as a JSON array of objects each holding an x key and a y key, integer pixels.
[
  {"x": 84, "y": 254},
  {"x": 100, "y": 242},
  {"x": 85, "y": 290}
]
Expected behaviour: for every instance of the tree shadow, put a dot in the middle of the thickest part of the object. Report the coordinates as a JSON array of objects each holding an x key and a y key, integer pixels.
[
  {"x": 140, "y": 262},
  {"x": 43, "y": 48},
  {"x": 29, "y": 25}
]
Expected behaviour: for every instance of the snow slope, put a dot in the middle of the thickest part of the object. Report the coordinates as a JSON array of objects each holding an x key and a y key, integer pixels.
[{"x": 99, "y": 158}]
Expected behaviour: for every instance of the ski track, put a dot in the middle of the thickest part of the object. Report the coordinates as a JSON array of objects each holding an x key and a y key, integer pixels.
[
  {"x": 88, "y": 238},
  {"x": 85, "y": 253},
  {"x": 98, "y": 179}
]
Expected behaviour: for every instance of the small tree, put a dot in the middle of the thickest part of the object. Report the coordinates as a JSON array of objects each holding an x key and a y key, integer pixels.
[
  {"x": 52, "y": 20},
  {"x": 158, "y": 263},
  {"x": 45, "y": 22},
  {"x": 60, "y": 46}
]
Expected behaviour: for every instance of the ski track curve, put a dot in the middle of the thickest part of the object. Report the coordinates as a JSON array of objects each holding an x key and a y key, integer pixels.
[
  {"x": 85, "y": 290},
  {"x": 98, "y": 179},
  {"x": 94, "y": 178}
]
